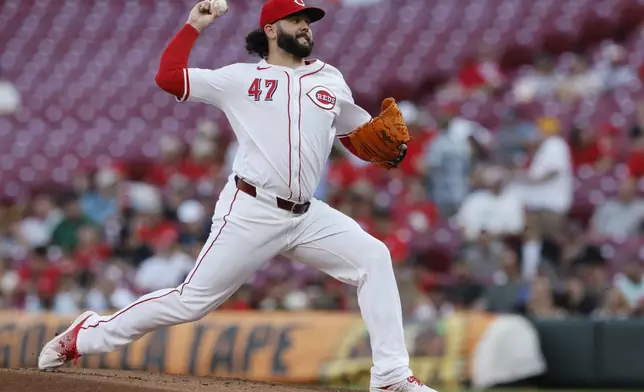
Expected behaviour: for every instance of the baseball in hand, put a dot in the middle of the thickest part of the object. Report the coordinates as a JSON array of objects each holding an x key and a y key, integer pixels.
[{"x": 220, "y": 7}]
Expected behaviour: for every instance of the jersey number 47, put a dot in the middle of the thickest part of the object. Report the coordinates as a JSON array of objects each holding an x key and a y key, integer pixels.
[{"x": 255, "y": 89}]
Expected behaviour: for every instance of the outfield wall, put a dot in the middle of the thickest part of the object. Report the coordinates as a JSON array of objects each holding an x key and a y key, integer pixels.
[{"x": 594, "y": 354}]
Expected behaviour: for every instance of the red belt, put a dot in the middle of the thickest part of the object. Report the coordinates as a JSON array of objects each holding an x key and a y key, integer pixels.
[{"x": 281, "y": 203}]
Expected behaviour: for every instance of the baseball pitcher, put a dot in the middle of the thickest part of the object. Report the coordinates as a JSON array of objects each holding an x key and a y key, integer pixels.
[{"x": 286, "y": 111}]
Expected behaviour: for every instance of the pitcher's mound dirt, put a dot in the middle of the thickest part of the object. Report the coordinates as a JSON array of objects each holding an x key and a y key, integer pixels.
[{"x": 95, "y": 380}]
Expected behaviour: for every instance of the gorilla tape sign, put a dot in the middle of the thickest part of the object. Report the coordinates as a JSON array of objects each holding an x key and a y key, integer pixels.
[
  {"x": 281, "y": 347},
  {"x": 303, "y": 347}
]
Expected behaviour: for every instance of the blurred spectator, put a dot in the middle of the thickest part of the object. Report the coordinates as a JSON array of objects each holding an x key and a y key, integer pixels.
[
  {"x": 630, "y": 284},
  {"x": 204, "y": 159},
  {"x": 417, "y": 305},
  {"x": 635, "y": 159},
  {"x": 513, "y": 137},
  {"x": 11, "y": 247},
  {"x": 621, "y": 216},
  {"x": 146, "y": 224},
  {"x": 296, "y": 300},
  {"x": 396, "y": 238},
  {"x": 613, "y": 306},
  {"x": 613, "y": 67},
  {"x": 341, "y": 173},
  {"x": 483, "y": 256},
  {"x": 67, "y": 295},
  {"x": 39, "y": 280},
  {"x": 505, "y": 295},
  {"x": 194, "y": 227},
  {"x": 109, "y": 290},
  {"x": 421, "y": 135},
  {"x": 481, "y": 72},
  {"x": 540, "y": 303},
  {"x": 37, "y": 228},
  {"x": 575, "y": 299},
  {"x": 447, "y": 163},
  {"x": 465, "y": 292},
  {"x": 582, "y": 81},
  {"x": 172, "y": 152},
  {"x": 546, "y": 187},
  {"x": 436, "y": 304},
  {"x": 65, "y": 234},
  {"x": 178, "y": 189},
  {"x": 208, "y": 130},
  {"x": 9, "y": 281},
  {"x": 9, "y": 97},
  {"x": 493, "y": 209},
  {"x": 538, "y": 255},
  {"x": 90, "y": 251},
  {"x": 589, "y": 149},
  {"x": 100, "y": 203},
  {"x": 359, "y": 204},
  {"x": 539, "y": 82},
  {"x": 579, "y": 255},
  {"x": 414, "y": 209},
  {"x": 168, "y": 267}
]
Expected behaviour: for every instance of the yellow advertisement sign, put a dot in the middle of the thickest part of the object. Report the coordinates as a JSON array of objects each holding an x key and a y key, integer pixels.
[
  {"x": 260, "y": 346},
  {"x": 331, "y": 348}
]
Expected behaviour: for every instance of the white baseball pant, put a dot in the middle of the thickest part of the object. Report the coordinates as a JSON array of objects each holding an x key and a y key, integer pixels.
[{"x": 245, "y": 234}]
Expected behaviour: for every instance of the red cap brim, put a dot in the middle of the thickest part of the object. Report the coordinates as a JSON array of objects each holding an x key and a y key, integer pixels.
[{"x": 313, "y": 13}]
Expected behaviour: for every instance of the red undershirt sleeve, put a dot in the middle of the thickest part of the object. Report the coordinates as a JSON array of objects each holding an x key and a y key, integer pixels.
[
  {"x": 172, "y": 75},
  {"x": 211, "y": 86},
  {"x": 347, "y": 143}
]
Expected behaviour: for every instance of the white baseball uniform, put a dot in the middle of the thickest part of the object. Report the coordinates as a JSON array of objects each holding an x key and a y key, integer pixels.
[{"x": 285, "y": 121}]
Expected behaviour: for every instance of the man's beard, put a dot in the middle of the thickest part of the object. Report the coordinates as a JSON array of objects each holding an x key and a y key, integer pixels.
[{"x": 289, "y": 43}]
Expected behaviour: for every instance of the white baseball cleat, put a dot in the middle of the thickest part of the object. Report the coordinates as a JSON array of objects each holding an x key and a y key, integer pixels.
[
  {"x": 62, "y": 348},
  {"x": 410, "y": 384}
]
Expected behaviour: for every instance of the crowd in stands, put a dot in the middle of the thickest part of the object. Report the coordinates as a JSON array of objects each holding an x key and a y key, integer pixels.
[{"x": 502, "y": 199}]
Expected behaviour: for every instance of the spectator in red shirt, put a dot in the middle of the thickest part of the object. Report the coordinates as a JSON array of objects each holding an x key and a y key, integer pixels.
[
  {"x": 395, "y": 237},
  {"x": 481, "y": 72},
  {"x": 592, "y": 150},
  {"x": 635, "y": 159},
  {"x": 90, "y": 251},
  {"x": 39, "y": 279},
  {"x": 172, "y": 151},
  {"x": 414, "y": 209},
  {"x": 204, "y": 160},
  {"x": 151, "y": 224}
]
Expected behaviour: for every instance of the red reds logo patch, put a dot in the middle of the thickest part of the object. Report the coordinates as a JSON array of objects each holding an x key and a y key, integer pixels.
[{"x": 322, "y": 97}]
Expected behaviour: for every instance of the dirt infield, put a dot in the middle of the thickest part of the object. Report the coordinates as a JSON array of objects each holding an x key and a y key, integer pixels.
[{"x": 94, "y": 380}]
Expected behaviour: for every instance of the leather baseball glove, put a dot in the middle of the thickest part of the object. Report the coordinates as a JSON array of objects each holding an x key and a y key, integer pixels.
[{"x": 382, "y": 140}]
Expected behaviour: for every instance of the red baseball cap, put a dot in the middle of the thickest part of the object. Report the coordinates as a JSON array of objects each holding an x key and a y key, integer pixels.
[{"x": 274, "y": 10}]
